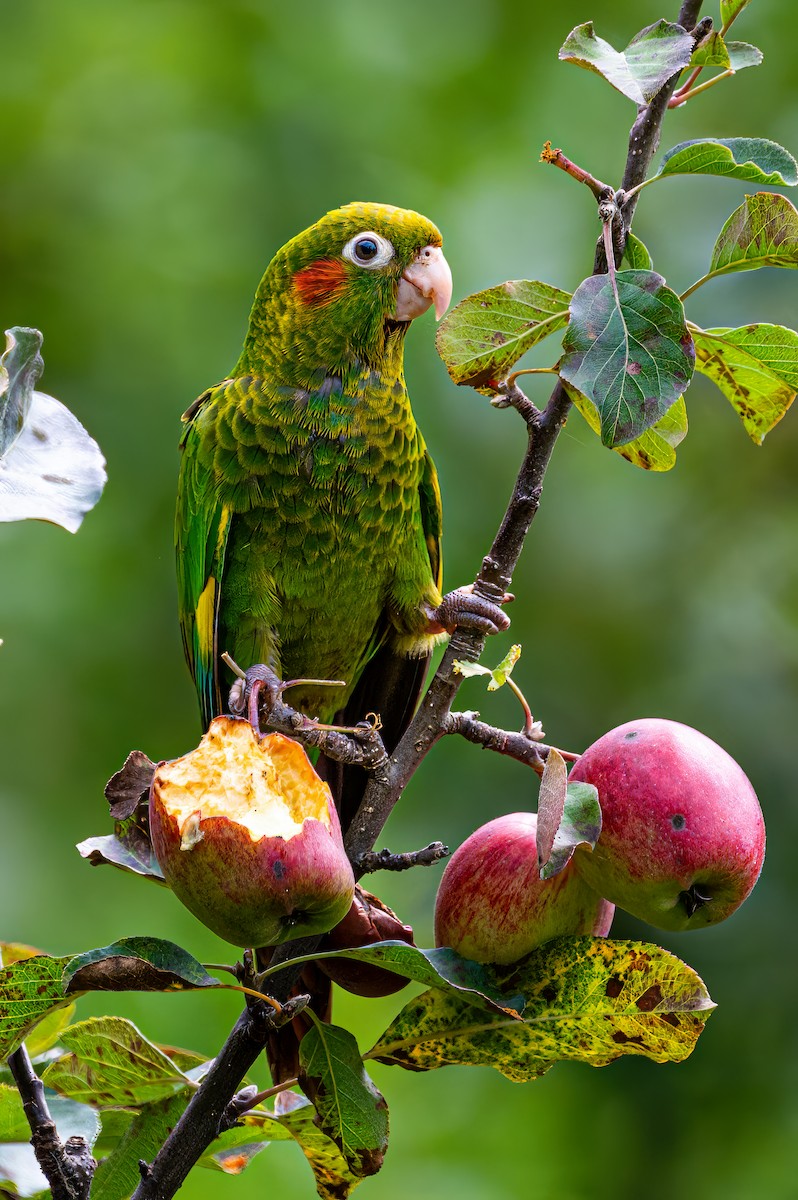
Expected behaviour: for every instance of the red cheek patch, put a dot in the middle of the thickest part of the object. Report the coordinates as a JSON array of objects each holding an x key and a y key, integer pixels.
[{"x": 321, "y": 281}]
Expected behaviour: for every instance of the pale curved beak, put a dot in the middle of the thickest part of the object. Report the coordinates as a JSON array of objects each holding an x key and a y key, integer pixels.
[{"x": 427, "y": 281}]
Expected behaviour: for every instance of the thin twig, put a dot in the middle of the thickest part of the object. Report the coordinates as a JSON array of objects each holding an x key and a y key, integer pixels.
[
  {"x": 383, "y": 860},
  {"x": 555, "y": 158}
]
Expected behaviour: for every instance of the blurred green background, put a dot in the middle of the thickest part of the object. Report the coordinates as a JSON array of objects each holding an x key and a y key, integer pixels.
[{"x": 155, "y": 153}]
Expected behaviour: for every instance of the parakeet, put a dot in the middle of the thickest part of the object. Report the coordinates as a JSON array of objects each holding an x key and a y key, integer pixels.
[{"x": 308, "y": 516}]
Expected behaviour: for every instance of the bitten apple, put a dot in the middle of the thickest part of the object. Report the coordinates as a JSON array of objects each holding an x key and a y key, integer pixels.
[
  {"x": 248, "y": 838},
  {"x": 683, "y": 838},
  {"x": 492, "y": 906}
]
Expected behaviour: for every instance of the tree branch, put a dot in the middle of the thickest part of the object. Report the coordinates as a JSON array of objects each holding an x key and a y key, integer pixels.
[
  {"x": 67, "y": 1166},
  {"x": 200, "y": 1121}
]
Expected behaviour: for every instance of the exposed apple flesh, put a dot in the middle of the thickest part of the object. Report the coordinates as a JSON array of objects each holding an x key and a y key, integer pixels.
[{"x": 248, "y": 837}]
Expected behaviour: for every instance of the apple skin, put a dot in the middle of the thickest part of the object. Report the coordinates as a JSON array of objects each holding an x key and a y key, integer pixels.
[
  {"x": 492, "y": 906},
  {"x": 683, "y": 838},
  {"x": 248, "y": 838}
]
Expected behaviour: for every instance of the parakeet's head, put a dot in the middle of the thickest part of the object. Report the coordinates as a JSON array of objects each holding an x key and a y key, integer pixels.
[{"x": 345, "y": 290}]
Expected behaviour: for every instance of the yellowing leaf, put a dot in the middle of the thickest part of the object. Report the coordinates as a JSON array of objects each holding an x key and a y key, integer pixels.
[
  {"x": 486, "y": 334},
  {"x": 588, "y": 999},
  {"x": 756, "y": 368}
]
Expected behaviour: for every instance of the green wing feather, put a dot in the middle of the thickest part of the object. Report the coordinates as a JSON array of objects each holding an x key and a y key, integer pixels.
[{"x": 202, "y": 529}]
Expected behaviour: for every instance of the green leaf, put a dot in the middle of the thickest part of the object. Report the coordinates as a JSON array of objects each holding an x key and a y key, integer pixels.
[
  {"x": 762, "y": 232},
  {"x": 755, "y": 160},
  {"x": 654, "y": 450},
  {"x": 501, "y": 673},
  {"x": 115, "y": 1123},
  {"x": 51, "y": 469},
  {"x": 48, "y": 1030},
  {"x": 636, "y": 254},
  {"x": 14, "y": 1125},
  {"x": 631, "y": 359},
  {"x": 118, "y": 1176},
  {"x": 111, "y": 1064},
  {"x": 334, "y": 1179},
  {"x": 729, "y": 9},
  {"x": 497, "y": 676},
  {"x": 711, "y": 52},
  {"x": 350, "y": 1109},
  {"x": 136, "y": 964},
  {"x": 756, "y": 368},
  {"x": 30, "y": 989},
  {"x": 639, "y": 71},
  {"x": 19, "y": 1170},
  {"x": 477, "y": 983},
  {"x": 743, "y": 54},
  {"x": 580, "y": 825},
  {"x": 588, "y": 999},
  {"x": 486, "y": 334}
]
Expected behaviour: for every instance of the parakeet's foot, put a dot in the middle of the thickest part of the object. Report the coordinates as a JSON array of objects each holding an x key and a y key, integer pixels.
[
  {"x": 238, "y": 701},
  {"x": 464, "y": 609}
]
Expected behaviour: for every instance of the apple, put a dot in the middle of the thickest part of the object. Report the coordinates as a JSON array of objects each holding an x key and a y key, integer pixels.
[
  {"x": 248, "y": 838},
  {"x": 683, "y": 838},
  {"x": 492, "y": 906}
]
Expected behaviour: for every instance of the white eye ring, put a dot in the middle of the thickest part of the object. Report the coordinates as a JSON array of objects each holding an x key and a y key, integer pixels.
[{"x": 368, "y": 250}]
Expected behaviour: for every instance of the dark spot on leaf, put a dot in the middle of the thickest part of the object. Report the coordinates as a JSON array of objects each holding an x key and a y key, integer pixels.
[
  {"x": 549, "y": 993},
  {"x": 634, "y": 368},
  {"x": 621, "y": 1038},
  {"x": 678, "y": 821},
  {"x": 498, "y": 338},
  {"x": 614, "y": 987},
  {"x": 672, "y": 1019},
  {"x": 651, "y": 997}
]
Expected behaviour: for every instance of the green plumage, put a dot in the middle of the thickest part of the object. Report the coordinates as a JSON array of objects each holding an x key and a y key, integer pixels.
[{"x": 308, "y": 515}]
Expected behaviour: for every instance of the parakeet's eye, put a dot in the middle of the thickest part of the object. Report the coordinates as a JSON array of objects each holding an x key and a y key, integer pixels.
[{"x": 368, "y": 250}]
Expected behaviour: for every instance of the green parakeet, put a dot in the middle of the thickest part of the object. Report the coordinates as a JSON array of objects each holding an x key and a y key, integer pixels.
[{"x": 308, "y": 516}]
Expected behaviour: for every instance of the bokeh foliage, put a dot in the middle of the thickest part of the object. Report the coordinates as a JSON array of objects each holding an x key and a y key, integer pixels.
[{"x": 154, "y": 154}]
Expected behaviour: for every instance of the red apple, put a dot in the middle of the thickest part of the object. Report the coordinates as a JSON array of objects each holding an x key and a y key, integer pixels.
[
  {"x": 248, "y": 838},
  {"x": 682, "y": 839},
  {"x": 492, "y": 905}
]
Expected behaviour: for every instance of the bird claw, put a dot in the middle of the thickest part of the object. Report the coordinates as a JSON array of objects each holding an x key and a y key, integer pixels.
[{"x": 464, "y": 609}]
